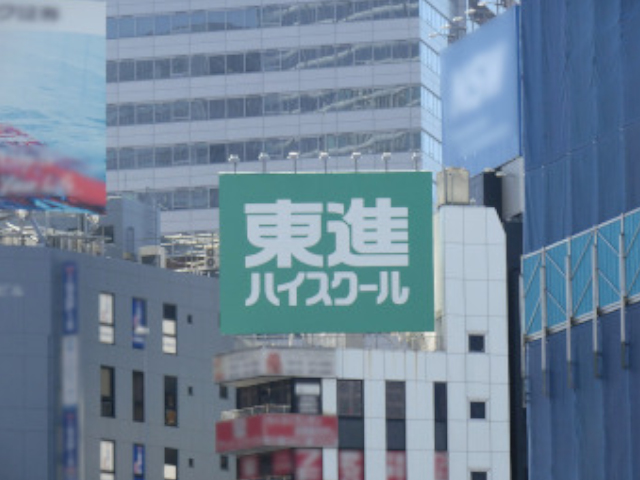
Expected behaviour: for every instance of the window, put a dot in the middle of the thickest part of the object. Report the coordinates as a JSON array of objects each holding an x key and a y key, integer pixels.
[
  {"x": 144, "y": 26},
  {"x": 307, "y": 397},
  {"x": 224, "y": 462},
  {"x": 107, "y": 392},
  {"x": 440, "y": 416},
  {"x": 396, "y": 413},
  {"x": 350, "y": 398},
  {"x": 476, "y": 343},
  {"x": 217, "y": 65},
  {"x": 350, "y": 413},
  {"x": 477, "y": 410},
  {"x": 106, "y": 333},
  {"x": 138, "y": 461},
  {"x": 138, "y": 396},
  {"x": 180, "y": 66},
  {"x": 107, "y": 460},
  {"x": 479, "y": 476},
  {"x": 223, "y": 391},
  {"x": 169, "y": 329},
  {"x": 138, "y": 322},
  {"x": 171, "y": 401},
  {"x": 170, "y": 464}
]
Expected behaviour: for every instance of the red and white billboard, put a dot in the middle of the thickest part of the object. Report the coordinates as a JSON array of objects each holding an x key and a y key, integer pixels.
[
  {"x": 308, "y": 464},
  {"x": 396, "y": 466},
  {"x": 249, "y": 467},
  {"x": 351, "y": 465},
  {"x": 282, "y": 463},
  {"x": 441, "y": 466},
  {"x": 277, "y": 430}
]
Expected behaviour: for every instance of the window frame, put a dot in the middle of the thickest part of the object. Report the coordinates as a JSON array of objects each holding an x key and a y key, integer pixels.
[
  {"x": 106, "y": 319},
  {"x": 474, "y": 415},
  {"x": 107, "y": 472},
  {"x": 108, "y": 396}
]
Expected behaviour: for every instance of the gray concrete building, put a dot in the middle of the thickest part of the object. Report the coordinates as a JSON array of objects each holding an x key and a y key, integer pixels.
[{"x": 106, "y": 369}]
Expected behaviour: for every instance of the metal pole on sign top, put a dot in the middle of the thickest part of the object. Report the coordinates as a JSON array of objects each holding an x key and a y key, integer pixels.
[{"x": 234, "y": 160}]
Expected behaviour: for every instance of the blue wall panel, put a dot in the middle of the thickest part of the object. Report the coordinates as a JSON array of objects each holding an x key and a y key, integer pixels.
[
  {"x": 538, "y": 417},
  {"x": 589, "y": 430}
]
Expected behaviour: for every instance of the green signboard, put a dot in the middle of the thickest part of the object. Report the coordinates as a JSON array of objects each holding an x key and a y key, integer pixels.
[{"x": 319, "y": 253}]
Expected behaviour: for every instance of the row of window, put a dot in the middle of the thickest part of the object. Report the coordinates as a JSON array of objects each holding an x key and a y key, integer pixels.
[
  {"x": 108, "y": 462},
  {"x": 108, "y": 396},
  {"x": 275, "y": 60},
  {"x": 368, "y": 143},
  {"x": 266, "y": 16},
  {"x": 273, "y": 104},
  {"x": 106, "y": 333}
]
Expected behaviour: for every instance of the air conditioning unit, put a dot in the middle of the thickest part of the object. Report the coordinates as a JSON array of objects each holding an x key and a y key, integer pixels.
[
  {"x": 210, "y": 259},
  {"x": 153, "y": 255},
  {"x": 453, "y": 186}
]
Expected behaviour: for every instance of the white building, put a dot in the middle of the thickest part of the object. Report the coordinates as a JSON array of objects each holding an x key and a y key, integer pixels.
[
  {"x": 387, "y": 407},
  {"x": 193, "y": 82}
]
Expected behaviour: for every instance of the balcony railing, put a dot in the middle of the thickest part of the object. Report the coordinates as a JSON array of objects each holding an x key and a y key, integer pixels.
[
  {"x": 425, "y": 342},
  {"x": 251, "y": 411}
]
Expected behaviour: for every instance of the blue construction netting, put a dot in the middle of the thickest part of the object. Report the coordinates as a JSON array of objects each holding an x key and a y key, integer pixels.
[
  {"x": 581, "y": 108},
  {"x": 586, "y": 426}
]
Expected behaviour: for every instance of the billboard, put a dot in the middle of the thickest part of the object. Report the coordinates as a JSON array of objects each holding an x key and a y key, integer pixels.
[
  {"x": 481, "y": 96},
  {"x": 52, "y": 105},
  {"x": 348, "y": 252},
  {"x": 279, "y": 430},
  {"x": 70, "y": 373}
]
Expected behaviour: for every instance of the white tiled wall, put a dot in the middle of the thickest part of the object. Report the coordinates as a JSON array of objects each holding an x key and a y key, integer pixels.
[{"x": 472, "y": 277}]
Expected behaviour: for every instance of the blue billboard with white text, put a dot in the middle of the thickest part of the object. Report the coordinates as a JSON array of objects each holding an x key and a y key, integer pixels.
[{"x": 481, "y": 96}]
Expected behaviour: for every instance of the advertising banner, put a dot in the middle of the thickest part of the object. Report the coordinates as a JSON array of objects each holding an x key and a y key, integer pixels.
[
  {"x": 481, "y": 96},
  {"x": 70, "y": 372},
  {"x": 314, "y": 253},
  {"x": 441, "y": 465},
  {"x": 268, "y": 362},
  {"x": 138, "y": 461},
  {"x": 52, "y": 105},
  {"x": 396, "y": 465},
  {"x": 351, "y": 465},
  {"x": 139, "y": 322},
  {"x": 248, "y": 467},
  {"x": 308, "y": 464},
  {"x": 276, "y": 430}
]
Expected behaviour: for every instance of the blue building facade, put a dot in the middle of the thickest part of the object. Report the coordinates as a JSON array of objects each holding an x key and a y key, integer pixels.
[{"x": 581, "y": 268}]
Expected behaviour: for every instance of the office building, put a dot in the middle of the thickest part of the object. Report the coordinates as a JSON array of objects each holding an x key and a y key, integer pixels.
[
  {"x": 192, "y": 84},
  {"x": 106, "y": 368}
]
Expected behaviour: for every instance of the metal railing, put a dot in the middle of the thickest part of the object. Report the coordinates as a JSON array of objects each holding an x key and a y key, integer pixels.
[
  {"x": 422, "y": 341},
  {"x": 252, "y": 411}
]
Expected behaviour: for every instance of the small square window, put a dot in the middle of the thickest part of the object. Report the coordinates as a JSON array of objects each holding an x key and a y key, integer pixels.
[
  {"x": 224, "y": 391},
  {"x": 190, "y": 391},
  {"x": 476, "y": 343},
  {"x": 478, "y": 410},
  {"x": 191, "y": 463},
  {"x": 224, "y": 462},
  {"x": 479, "y": 476}
]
